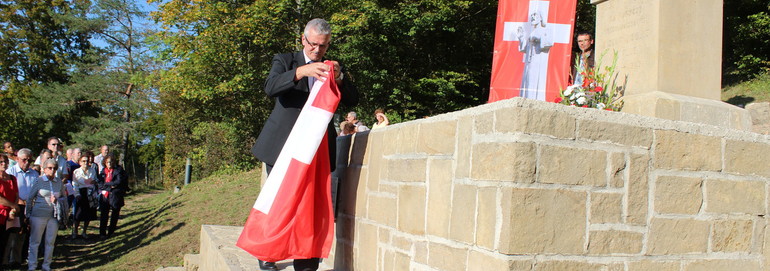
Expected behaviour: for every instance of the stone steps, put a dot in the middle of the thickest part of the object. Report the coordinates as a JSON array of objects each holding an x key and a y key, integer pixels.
[
  {"x": 219, "y": 253},
  {"x": 192, "y": 262}
]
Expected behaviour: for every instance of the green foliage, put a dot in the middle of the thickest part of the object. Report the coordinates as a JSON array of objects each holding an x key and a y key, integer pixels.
[
  {"x": 54, "y": 82},
  {"x": 219, "y": 148},
  {"x": 585, "y": 18},
  {"x": 222, "y": 54},
  {"x": 37, "y": 47},
  {"x": 36, "y": 44},
  {"x": 416, "y": 58},
  {"x": 746, "y": 40}
]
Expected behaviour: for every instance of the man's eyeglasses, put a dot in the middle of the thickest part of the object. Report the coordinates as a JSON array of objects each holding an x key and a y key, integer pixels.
[
  {"x": 55, "y": 144},
  {"x": 316, "y": 45},
  {"x": 50, "y": 168},
  {"x": 25, "y": 160}
]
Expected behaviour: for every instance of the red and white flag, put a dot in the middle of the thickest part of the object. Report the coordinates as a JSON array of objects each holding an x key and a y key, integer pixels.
[
  {"x": 292, "y": 217},
  {"x": 533, "y": 42}
]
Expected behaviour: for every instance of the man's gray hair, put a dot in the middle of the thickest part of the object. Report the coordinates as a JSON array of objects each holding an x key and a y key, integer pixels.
[
  {"x": 320, "y": 26},
  {"x": 353, "y": 113},
  {"x": 25, "y": 151}
]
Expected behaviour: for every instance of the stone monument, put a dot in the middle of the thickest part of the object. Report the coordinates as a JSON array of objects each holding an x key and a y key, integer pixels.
[{"x": 671, "y": 53}]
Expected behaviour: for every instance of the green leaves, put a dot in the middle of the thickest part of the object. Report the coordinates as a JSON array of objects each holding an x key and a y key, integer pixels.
[
  {"x": 747, "y": 39},
  {"x": 417, "y": 58}
]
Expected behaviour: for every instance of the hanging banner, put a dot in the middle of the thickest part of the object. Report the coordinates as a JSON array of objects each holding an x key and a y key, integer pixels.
[{"x": 533, "y": 41}]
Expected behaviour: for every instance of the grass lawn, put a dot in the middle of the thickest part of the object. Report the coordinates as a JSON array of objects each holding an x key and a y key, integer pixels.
[
  {"x": 157, "y": 228},
  {"x": 752, "y": 91}
]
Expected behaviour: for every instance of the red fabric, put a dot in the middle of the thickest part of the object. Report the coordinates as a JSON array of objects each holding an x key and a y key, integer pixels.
[
  {"x": 108, "y": 175},
  {"x": 507, "y": 65},
  {"x": 9, "y": 190},
  {"x": 300, "y": 223},
  {"x": 107, "y": 179}
]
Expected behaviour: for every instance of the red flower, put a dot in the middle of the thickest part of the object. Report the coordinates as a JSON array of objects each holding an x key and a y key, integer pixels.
[
  {"x": 557, "y": 100},
  {"x": 599, "y": 89},
  {"x": 608, "y": 109},
  {"x": 585, "y": 105}
]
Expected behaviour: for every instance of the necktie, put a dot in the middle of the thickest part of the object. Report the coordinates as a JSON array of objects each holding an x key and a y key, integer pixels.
[{"x": 310, "y": 80}]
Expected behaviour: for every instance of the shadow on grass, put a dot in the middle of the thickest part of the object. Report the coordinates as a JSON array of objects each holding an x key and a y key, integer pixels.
[
  {"x": 740, "y": 100},
  {"x": 137, "y": 227}
]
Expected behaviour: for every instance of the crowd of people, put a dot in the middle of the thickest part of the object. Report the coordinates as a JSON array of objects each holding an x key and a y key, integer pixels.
[{"x": 39, "y": 196}]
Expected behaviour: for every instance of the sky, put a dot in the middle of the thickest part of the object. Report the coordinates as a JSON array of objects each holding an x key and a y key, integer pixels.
[{"x": 143, "y": 5}]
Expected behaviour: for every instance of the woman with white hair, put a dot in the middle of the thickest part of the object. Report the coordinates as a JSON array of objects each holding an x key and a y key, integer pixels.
[{"x": 41, "y": 208}]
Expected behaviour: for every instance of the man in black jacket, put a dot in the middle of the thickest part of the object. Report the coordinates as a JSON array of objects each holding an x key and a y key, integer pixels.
[{"x": 291, "y": 77}]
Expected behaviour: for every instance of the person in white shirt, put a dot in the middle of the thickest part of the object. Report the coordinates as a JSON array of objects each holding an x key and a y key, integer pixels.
[
  {"x": 83, "y": 181},
  {"x": 352, "y": 117},
  {"x": 62, "y": 171},
  {"x": 105, "y": 150},
  {"x": 382, "y": 120}
]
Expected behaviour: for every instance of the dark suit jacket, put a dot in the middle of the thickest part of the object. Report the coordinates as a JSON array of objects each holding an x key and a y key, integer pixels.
[
  {"x": 290, "y": 97},
  {"x": 117, "y": 187}
]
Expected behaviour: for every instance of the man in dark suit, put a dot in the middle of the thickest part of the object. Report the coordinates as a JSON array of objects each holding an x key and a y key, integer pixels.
[{"x": 289, "y": 82}]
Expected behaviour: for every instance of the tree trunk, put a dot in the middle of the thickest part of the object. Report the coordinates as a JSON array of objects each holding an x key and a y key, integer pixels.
[{"x": 127, "y": 120}]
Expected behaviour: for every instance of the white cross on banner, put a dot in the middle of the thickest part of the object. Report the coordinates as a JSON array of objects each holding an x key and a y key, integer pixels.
[{"x": 533, "y": 42}]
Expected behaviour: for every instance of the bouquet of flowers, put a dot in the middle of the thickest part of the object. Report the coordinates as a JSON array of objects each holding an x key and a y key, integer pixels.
[{"x": 598, "y": 90}]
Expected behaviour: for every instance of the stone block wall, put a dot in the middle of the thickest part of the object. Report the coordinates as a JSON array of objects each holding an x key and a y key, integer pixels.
[{"x": 528, "y": 185}]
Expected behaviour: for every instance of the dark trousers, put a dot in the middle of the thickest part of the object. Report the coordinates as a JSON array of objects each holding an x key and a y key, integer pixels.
[
  {"x": 25, "y": 230},
  {"x": 300, "y": 264},
  {"x": 3, "y": 240},
  {"x": 104, "y": 210}
]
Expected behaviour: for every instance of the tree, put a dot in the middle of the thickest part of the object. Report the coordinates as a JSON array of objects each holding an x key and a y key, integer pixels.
[
  {"x": 417, "y": 58},
  {"x": 221, "y": 51},
  {"x": 117, "y": 22},
  {"x": 37, "y": 47},
  {"x": 585, "y": 17},
  {"x": 107, "y": 94},
  {"x": 98, "y": 100},
  {"x": 746, "y": 40}
]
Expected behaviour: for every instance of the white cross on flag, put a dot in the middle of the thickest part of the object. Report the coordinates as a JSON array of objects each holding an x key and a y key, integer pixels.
[
  {"x": 292, "y": 217},
  {"x": 532, "y": 49}
]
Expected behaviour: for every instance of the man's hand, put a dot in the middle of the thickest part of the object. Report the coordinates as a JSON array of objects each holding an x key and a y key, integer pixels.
[
  {"x": 317, "y": 70},
  {"x": 337, "y": 69}
]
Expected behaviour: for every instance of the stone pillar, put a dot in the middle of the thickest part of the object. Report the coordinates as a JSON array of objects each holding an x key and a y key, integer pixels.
[{"x": 671, "y": 53}]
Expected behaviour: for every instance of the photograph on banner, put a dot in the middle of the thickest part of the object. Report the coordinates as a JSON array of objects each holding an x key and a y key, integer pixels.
[{"x": 533, "y": 41}]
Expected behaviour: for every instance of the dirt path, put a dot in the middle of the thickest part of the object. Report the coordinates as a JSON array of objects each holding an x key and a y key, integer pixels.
[{"x": 83, "y": 254}]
